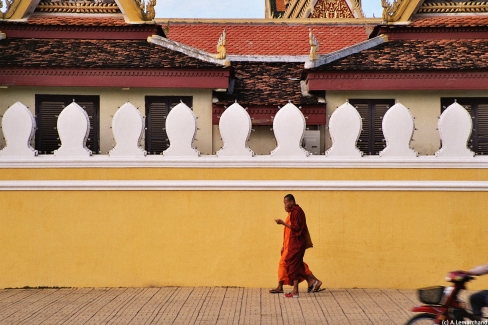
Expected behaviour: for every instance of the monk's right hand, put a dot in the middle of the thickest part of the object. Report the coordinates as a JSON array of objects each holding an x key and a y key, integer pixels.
[{"x": 279, "y": 221}]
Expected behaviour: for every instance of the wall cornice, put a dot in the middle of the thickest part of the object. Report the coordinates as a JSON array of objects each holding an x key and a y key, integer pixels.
[
  {"x": 396, "y": 80},
  {"x": 242, "y": 185},
  {"x": 150, "y": 78}
]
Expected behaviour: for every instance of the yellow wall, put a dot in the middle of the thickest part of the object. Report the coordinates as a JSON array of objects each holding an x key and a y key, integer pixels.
[
  {"x": 111, "y": 99},
  {"x": 363, "y": 238},
  {"x": 425, "y": 106}
]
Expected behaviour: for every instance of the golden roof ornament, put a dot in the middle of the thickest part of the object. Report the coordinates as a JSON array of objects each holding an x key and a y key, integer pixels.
[
  {"x": 387, "y": 10},
  {"x": 221, "y": 52},
  {"x": 314, "y": 45},
  {"x": 8, "y": 4},
  {"x": 147, "y": 9}
]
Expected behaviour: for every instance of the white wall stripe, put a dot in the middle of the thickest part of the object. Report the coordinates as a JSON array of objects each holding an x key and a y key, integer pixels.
[
  {"x": 159, "y": 161},
  {"x": 241, "y": 185}
]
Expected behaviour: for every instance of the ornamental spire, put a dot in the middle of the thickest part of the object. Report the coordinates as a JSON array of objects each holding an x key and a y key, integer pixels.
[
  {"x": 221, "y": 52},
  {"x": 314, "y": 45}
]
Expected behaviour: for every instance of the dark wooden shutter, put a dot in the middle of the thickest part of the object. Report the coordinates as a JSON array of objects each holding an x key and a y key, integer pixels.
[
  {"x": 478, "y": 109},
  {"x": 363, "y": 141},
  {"x": 371, "y": 140},
  {"x": 482, "y": 128},
  {"x": 48, "y": 108},
  {"x": 157, "y": 109}
]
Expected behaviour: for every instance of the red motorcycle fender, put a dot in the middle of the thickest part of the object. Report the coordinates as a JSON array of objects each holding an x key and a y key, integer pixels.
[{"x": 435, "y": 310}]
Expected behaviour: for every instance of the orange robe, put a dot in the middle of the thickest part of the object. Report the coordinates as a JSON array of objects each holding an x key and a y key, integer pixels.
[{"x": 282, "y": 273}]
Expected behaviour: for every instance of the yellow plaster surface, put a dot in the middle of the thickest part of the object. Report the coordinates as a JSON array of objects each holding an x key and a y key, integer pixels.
[{"x": 213, "y": 238}]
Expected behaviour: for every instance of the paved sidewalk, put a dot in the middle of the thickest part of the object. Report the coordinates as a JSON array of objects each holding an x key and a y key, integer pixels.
[{"x": 203, "y": 305}]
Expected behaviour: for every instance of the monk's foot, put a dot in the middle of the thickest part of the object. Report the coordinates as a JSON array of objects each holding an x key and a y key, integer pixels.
[
  {"x": 311, "y": 286},
  {"x": 276, "y": 290},
  {"x": 291, "y": 295},
  {"x": 316, "y": 286}
]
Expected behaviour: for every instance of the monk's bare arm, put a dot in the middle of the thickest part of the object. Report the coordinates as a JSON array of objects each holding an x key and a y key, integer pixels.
[{"x": 281, "y": 222}]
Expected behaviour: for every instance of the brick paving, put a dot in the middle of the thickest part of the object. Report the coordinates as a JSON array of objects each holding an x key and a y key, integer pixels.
[{"x": 203, "y": 306}]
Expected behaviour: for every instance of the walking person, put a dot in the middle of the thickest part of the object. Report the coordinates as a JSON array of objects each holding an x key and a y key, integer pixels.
[{"x": 296, "y": 239}]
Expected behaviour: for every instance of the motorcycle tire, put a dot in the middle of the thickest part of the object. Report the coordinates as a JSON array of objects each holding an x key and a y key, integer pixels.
[{"x": 421, "y": 319}]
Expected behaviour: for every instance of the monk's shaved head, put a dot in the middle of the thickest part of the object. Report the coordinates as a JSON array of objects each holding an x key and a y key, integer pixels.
[{"x": 290, "y": 197}]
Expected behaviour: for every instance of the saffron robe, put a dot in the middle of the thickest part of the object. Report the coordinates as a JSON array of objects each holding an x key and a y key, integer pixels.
[
  {"x": 282, "y": 274},
  {"x": 297, "y": 244}
]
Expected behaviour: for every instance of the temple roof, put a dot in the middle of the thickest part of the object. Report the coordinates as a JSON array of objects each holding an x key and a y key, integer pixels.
[
  {"x": 417, "y": 55},
  {"x": 266, "y": 38},
  {"x": 92, "y": 54}
]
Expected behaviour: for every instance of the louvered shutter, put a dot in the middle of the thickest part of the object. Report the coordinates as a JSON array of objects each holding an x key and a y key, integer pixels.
[
  {"x": 379, "y": 112},
  {"x": 48, "y": 108},
  {"x": 371, "y": 140},
  {"x": 363, "y": 141},
  {"x": 157, "y": 109},
  {"x": 482, "y": 128}
]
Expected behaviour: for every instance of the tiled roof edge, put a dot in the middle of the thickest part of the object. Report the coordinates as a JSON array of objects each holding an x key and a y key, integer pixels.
[
  {"x": 328, "y": 58},
  {"x": 185, "y": 49},
  {"x": 268, "y": 58}
]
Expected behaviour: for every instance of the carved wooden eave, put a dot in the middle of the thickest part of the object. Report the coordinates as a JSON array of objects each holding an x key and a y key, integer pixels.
[
  {"x": 453, "y": 7},
  {"x": 399, "y": 11},
  {"x": 77, "y": 7},
  {"x": 150, "y": 78},
  {"x": 396, "y": 80},
  {"x": 134, "y": 11}
]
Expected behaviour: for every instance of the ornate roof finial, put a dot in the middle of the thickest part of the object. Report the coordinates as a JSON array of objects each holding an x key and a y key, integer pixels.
[
  {"x": 166, "y": 29},
  {"x": 221, "y": 53},
  {"x": 314, "y": 45},
  {"x": 387, "y": 10},
  {"x": 147, "y": 9}
]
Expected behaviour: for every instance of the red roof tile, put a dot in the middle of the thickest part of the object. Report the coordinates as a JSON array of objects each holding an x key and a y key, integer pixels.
[
  {"x": 450, "y": 21},
  {"x": 266, "y": 39}
]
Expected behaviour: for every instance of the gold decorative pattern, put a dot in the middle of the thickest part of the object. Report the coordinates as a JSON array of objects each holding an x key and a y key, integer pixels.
[
  {"x": 221, "y": 52},
  {"x": 454, "y": 7},
  {"x": 331, "y": 9},
  {"x": 323, "y": 9},
  {"x": 78, "y": 7}
]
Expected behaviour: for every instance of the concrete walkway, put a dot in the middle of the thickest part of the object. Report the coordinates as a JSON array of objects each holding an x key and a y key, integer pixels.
[{"x": 203, "y": 305}]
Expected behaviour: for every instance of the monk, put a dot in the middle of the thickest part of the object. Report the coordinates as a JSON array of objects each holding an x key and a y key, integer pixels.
[{"x": 296, "y": 239}]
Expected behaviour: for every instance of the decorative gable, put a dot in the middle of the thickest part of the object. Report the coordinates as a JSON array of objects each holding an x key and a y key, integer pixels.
[
  {"x": 318, "y": 9},
  {"x": 331, "y": 9}
]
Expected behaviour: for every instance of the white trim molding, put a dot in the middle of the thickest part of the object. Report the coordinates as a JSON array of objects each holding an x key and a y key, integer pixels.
[
  {"x": 258, "y": 161},
  {"x": 241, "y": 185}
]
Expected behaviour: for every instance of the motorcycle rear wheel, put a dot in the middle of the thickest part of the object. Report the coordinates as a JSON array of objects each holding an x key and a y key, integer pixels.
[{"x": 421, "y": 319}]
